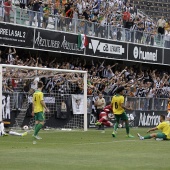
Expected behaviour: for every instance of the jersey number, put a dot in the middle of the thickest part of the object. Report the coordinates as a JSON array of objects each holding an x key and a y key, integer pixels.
[{"x": 116, "y": 105}]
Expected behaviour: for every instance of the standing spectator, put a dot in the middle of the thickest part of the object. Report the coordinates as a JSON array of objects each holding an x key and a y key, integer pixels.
[
  {"x": 7, "y": 8},
  {"x": 46, "y": 12},
  {"x": 100, "y": 104},
  {"x": 126, "y": 17},
  {"x": 1, "y": 10},
  {"x": 22, "y": 4},
  {"x": 35, "y": 7},
  {"x": 161, "y": 24},
  {"x": 69, "y": 15},
  {"x": 129, "y": 26},
  {"x": 11, "y": 55}
]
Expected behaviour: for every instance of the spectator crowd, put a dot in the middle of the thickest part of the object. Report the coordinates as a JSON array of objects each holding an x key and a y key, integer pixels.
[
  {"x": 104, "y": 77},
  {"x": 101, "y": 18}
]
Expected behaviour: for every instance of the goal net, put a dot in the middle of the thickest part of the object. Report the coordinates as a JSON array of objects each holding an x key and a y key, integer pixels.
[{"x": 65, "y": 94}]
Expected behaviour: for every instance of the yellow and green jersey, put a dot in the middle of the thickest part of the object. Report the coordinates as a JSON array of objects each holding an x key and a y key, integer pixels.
[
  {"x": 165, "y": 128},
  {"x": 38, "y": 96},
  {"x": 117, "y": 101}
]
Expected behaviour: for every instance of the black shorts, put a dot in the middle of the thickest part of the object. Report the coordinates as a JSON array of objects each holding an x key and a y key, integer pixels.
[{"x": 22, "y": 5}]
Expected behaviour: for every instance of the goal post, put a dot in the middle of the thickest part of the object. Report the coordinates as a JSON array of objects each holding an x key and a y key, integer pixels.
[{"x": 52, "y": 72}]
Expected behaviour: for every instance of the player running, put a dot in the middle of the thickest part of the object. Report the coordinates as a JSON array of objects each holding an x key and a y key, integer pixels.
[
  {"x": 119, "y": 108},
  {"x": 164, "y": 126},
  {"x": 104, "y": 117}
]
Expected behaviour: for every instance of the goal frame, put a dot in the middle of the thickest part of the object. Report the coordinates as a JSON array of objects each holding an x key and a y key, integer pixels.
[{"x": 49, "y": 69}]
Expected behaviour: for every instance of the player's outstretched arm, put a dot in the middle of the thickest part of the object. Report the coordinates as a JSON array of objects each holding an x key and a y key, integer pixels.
[{"x": 152, "y": 129}]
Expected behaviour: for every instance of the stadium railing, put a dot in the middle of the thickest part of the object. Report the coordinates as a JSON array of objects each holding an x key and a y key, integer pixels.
[
  {"x": 21, "y": 101},
  {"x": 81, "y": 26}
]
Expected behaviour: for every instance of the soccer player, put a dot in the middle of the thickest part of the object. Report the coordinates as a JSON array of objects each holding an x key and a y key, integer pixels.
[
  {"x": 3, "y": 133},
  {"x": 119, "y": 108},
  {"x": 38, "y": 109},
  {"x": 104, "y": 117},
  {"x": 164, "y": 126}
]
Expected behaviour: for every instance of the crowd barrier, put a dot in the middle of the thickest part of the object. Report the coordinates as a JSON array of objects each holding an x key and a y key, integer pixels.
[
  {"x": 17, "y": 108},
  {"x": 17, "y": 100},
  {"x": 28, "y": 17}
]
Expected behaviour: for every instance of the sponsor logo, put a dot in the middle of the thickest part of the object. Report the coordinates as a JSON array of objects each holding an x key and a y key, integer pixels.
[
  {"x": 50, "y": 43},
  {"x": 70, "y": 46},
  {"x": 12, "y": 33},
  {"x": 149, "y": 119},
  {"x": 106, "y": 48},
  {"x": 144, "y": 55},
  {"x": 46, "y": 42}
]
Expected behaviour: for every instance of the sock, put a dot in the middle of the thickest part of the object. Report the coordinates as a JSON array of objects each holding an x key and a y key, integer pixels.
[
  {"x": 2, "y": 127},
  {"x": 115, "y": 126},
  {"x": 35, "y": 126},
  {"x": 37, "y": 129},
  {"x": 15, "y": 133},
  {"x": 127, "y": 128},
  {"x": 147, "y": 137}
]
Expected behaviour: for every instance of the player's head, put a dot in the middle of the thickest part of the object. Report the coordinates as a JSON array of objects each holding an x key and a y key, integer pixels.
[
  {"x": 162, "y": 118},
  {"x": 40, "y": 84},
  {"x": 120, "y": 90}
]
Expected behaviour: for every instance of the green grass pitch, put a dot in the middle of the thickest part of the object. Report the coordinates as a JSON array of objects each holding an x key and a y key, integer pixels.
[{"x": 78, "y": 150}]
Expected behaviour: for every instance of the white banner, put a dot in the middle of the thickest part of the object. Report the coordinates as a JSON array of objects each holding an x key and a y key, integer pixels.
[
  {"x": 6, "y": 107},
  {"x": 77, "y": 104},
  {"x": 50, "y": 100}
]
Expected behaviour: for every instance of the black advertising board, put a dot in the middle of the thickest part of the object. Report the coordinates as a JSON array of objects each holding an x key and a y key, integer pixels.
[
  {"x": 166, "y": 56},
  {"x": 148, "y": 118},
  {"x": 106, "y": 48},
  {"x": 144, "y": 54},
  {"x": 16, "y": 35},
  {"x": 57, "y": 41}
]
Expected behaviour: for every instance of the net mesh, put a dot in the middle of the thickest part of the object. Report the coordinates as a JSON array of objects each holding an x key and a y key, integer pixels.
[{"x": 18, "y": 86}]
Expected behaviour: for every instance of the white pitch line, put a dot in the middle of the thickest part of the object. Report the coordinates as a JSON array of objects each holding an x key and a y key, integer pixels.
[{"x": 94, "y": 143}]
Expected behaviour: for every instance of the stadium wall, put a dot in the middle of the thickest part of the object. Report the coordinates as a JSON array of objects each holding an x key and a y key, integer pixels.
[{"x": 62, "y": 42}]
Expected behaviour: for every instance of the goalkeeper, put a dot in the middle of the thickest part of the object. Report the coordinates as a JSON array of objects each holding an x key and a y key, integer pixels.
[
  {"x": 104, "y": 117},
  {"x": 3, "y": 133}
]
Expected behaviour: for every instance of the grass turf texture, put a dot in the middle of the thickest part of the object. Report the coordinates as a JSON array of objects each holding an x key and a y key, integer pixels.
[{"x": 77, "y": 150}]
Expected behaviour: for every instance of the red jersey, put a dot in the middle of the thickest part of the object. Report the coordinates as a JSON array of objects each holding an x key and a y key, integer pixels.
[
  {"x": 126, "y": 16},
  {"x": 107, "y": 109},
  {"x": 7, "y": 7}
]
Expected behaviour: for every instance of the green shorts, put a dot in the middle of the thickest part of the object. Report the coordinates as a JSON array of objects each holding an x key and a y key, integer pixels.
[
  {"x": 39, "y": 116},
  {"x": 161, "y": 135},
  {"x": 122, "y": 116}
]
